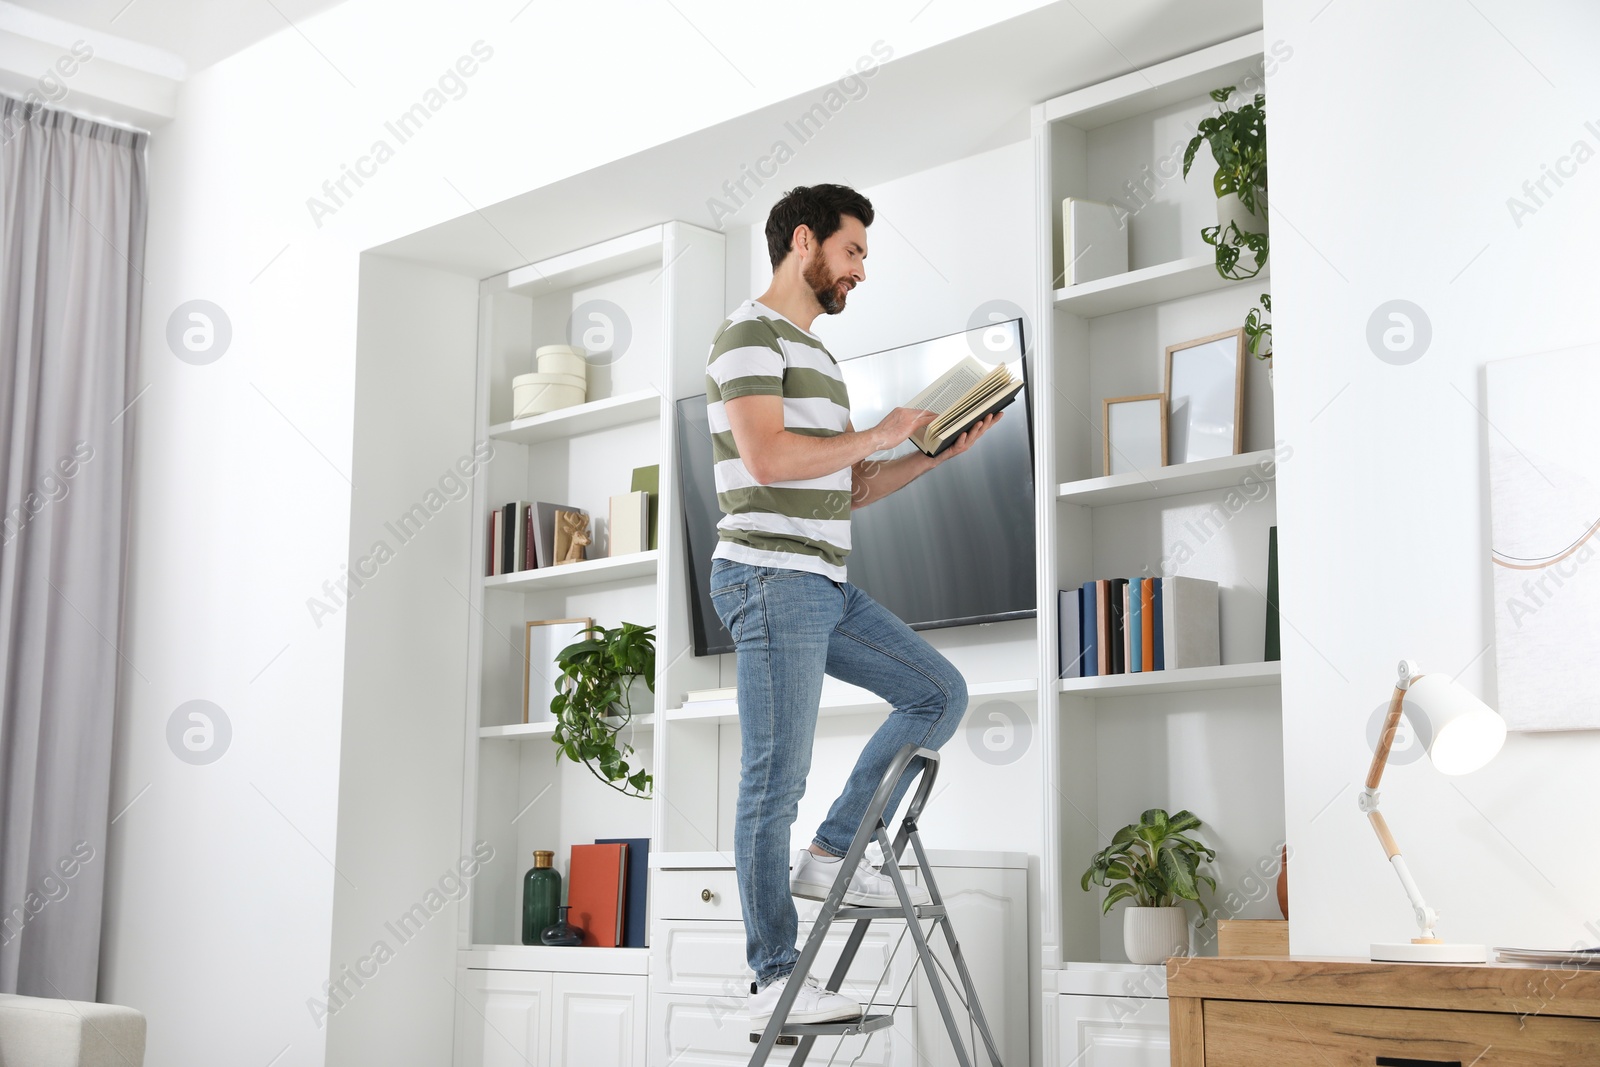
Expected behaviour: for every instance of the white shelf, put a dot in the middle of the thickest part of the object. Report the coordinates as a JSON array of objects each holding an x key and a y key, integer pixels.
[
  {"x": 1111, "y": 979},
  {"x": 549, "y": 958},
  {"x": 520, "y": 730},
  {"x": 1176, "y": 480},
  {"x": 1148, "y": 285},
  {"x": 585, "y": 266},
  {"x": 852, "y": 700},
  {"x": 586, "y": 572},
  {"x": 1183, "y": 679},
  {"x": 581, "y": 418}
]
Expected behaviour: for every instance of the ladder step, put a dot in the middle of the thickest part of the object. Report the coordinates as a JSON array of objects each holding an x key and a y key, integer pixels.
[
  {"x": 923, "y": 911},
  {"x": 845, "y": 1028}
]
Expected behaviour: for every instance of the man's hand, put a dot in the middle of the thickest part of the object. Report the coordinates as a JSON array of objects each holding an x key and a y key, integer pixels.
[
  {"x": 968, "y": 439},
  {"x": 899, "y": 425}
]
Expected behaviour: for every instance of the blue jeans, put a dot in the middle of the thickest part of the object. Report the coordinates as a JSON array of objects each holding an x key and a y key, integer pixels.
[{"x": 790, "y": 628}]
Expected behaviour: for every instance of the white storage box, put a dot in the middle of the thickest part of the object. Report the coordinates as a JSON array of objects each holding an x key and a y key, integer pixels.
[
  {"x": 562, "y": 359},
  {"x": 536, "y": 394}
]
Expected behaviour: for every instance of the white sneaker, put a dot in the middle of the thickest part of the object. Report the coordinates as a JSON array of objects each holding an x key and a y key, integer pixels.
[
  {"x": 813, "y": 876},
  {"x": 812, "y": 1004}
]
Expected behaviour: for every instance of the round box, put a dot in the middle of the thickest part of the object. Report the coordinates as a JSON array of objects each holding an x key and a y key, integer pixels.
[
  {"x": 562, "y": 359},
  {"x": 536, "y": 394}
]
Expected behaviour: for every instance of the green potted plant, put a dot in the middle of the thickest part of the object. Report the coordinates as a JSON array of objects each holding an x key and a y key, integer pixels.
[
  {"x": 1155, "y": 863},
  {"x": 593, "y": 703},
  {"x": 1238, "y": 140},
  {"x": 1258, "y": 333}
]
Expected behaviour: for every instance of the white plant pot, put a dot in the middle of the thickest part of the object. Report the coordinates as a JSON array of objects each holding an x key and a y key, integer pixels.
[
  {"x": 1231, "y": 209},
  {"x": 1150, "y": 935}
]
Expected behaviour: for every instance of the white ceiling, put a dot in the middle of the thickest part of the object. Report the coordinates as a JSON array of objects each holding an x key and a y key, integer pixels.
[{"x": 200, "y": 32}]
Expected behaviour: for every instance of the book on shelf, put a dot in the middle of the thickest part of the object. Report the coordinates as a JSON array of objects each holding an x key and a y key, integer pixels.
[
  {"x": 1191, "y": 625},
  {"x": 1135, "y": 625},
  {"x": 597, "y": 891},
  {"x": 1116, "y": 619},
  {"x": 1088, "y": 628},
  {"x": 509, "y": 532},
  {"x": 636, "y": 887},
  {"x": 1069, "y": 644},
  {"x": 1094, "y": 241},
  {"x": 727, "y": 692},
  {"x": 1273, "y": 646},
  {"x": 1135, "y": 619},
  {"x": 494, "y": 543},
  {"x": 1102, "y": 624},
  {"x": 962, "y": 395},
  {"x": 648, "y": 480},
  {"x": 629, "y": 523}
]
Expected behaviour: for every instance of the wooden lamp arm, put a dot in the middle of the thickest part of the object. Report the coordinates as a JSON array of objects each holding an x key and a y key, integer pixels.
[{"x": 1426, "y": 916}]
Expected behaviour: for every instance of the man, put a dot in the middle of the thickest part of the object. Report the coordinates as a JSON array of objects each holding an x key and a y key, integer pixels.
[{"x": 789, "y": 467}]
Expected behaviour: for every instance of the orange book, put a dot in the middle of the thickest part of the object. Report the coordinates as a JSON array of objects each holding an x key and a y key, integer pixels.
[
  {"x": 1147, "y": 617},
  {"x": 596, "y": 890}
]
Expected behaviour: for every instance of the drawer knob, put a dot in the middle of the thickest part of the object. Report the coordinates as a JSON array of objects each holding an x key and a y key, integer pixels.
[{"x": 706, "y": 895}]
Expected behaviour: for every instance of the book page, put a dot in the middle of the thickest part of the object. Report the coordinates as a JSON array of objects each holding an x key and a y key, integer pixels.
[
  {"x": 993, "y": 385},
  {"x": 950, "y": 386}
]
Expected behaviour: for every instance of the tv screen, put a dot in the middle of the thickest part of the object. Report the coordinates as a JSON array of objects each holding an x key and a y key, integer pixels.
[{"x": 954, "y": 547}]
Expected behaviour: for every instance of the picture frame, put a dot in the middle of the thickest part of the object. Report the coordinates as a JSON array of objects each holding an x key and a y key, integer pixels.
[
  {"x": 542, "y": 639},
  {"x": 1133, "y": 433},
  {"x": 1205, "y": 397}
]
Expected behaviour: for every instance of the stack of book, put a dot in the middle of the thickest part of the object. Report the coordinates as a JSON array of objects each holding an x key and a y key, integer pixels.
[
  {"x": 1131, "y": 625},
  {"x": 608, "y": 885}
]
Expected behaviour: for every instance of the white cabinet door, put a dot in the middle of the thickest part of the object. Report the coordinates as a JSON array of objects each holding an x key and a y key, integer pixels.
[
  {"x": 597, "y": 1020},
  {"x": 1112, "y": 1032},
  {"x": 502, "y": 1018},
  {"x": 988, "y": 908}
]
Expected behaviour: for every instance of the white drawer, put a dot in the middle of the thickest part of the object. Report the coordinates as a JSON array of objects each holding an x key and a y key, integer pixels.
[
  {"x": 711, "y": 893},
  {"x": 689, "y": 1031},
  {"x": 707, "y": 959}
]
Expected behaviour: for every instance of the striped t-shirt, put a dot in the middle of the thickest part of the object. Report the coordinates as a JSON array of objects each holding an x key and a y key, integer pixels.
[{"x": 802, "y": 525}]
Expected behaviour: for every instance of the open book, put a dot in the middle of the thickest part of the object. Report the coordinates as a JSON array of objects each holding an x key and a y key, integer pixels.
[{"x": 962, "y": 395}]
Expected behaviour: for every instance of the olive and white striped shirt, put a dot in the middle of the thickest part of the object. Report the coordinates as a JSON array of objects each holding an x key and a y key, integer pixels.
[{"x": 802, "y": 524}]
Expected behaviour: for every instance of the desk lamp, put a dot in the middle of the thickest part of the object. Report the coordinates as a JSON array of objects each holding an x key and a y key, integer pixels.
[{"x": 1467, "y": 734}]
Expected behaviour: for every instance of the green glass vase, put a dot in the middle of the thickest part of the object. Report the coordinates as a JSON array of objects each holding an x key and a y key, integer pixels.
[{"x": 541, "y": 896}]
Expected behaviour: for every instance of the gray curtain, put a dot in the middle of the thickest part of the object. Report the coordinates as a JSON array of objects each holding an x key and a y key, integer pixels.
[{"x": 72, "y": 233}]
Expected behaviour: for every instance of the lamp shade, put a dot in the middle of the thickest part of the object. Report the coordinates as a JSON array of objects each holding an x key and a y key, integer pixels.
[{"x": 1467, "y": 733}]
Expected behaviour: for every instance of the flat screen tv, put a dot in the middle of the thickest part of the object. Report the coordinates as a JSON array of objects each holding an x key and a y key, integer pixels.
[{"x": 954, "y": 547}]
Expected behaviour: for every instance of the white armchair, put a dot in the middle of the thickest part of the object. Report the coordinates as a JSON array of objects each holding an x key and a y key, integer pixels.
[{"x": 38, "y": 1032}]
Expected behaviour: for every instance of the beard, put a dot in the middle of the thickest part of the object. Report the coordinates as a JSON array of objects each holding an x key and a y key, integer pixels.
[{"x": 829, "y": 291}]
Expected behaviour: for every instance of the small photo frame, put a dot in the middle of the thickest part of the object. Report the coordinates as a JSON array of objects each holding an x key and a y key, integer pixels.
[
  {"x": 1205, "y": 397},
  {"x": 1134, "y": 429},
  {"x": 542, "y": 640}
]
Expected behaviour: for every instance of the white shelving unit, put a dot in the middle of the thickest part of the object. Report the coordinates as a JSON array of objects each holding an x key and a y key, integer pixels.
[
  {"x": 666, "y": 281},
  {"x": 1117, "y": 742}
]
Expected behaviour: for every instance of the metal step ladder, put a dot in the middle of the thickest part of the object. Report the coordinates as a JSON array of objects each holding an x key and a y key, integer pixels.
[{"x": 804, "y": 1035}]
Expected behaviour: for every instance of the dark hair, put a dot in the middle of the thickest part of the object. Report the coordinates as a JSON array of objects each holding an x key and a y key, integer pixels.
[{"x": 821, "y": 207}]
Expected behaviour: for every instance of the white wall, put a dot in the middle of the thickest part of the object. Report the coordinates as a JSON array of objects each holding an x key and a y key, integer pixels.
[
  {"x": 1397, "y": 133},
  {"x": 220, "y": 902}
]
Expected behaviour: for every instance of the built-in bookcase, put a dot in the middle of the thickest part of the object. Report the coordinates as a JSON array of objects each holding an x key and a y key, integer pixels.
[
  {"x": 647, "y": 295},
  {"x": 1204, "y": 738}
]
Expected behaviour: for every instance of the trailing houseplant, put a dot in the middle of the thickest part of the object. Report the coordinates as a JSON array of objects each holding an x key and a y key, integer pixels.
[
  {"x": 1155, "y": 863},
  {"x": 1238, "y": 140},
  {"x": 593, "y": 702},
  {"x": 1258, "y": 331}
]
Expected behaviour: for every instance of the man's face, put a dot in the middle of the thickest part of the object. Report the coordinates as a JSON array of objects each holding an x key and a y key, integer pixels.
[{"x": 838, "y": 265}]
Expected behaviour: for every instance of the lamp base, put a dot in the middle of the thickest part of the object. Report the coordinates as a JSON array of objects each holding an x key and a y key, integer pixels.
[{"x": 1432, "y": 952}]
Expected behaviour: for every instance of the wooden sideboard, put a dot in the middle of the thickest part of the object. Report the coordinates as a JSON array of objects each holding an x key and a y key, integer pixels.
[{"x": 1259, "y": 1011}]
